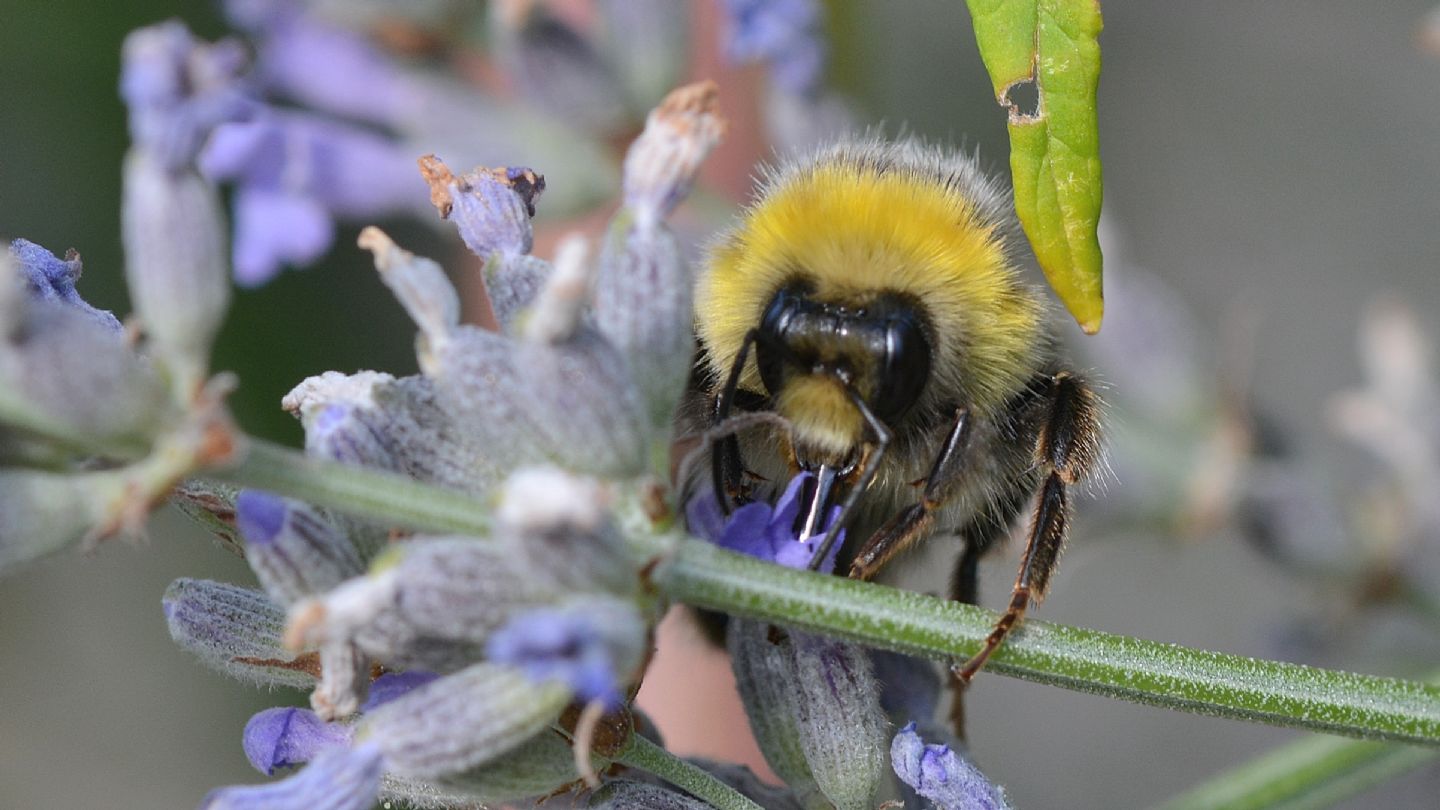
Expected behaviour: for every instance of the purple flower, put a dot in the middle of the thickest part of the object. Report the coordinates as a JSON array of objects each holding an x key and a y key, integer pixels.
[
  {"x": 53, "y": 279},
  {"x": 944, "y": 777},
  {"x": 178, "y": 89},
  {"x": 284, "y": 737},
  {"x": 320, "y": 65},
  {"x": 392, "y": 685},
  {"x": 786, "y": 34},
  {"x": 583, "y": 648},
  {"x": 762, "y": 530},
  {"x": 297, "y": 174},
  {"x": 338, "y": 779}
]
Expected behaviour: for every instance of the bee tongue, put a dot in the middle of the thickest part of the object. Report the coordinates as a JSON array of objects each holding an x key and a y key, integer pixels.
[{"x": 816, "y": 499}]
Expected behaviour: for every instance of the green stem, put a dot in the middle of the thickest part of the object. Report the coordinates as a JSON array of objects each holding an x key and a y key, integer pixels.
[
  {"x": 1085, "y": 660},
  {"x": 1311, "y": 773},
  {"x": 387, "y": 497},
  {"x": 647, "y": 756}
]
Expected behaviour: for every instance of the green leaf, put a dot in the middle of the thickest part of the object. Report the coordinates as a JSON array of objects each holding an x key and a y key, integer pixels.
[{"x": 1054, "y": 152}]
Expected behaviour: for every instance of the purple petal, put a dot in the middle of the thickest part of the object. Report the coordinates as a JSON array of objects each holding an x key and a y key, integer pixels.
[
  {"x": 285, "y": 737},
  {"x": 259, "y": 515},
  {"x": 746, "y": 531},
  {"x": 392, "y": 685},
  {"x": 338, "y": 779},
  {"x": 274, "y": 229},
  {"x": 558, "y": 644},
  {"x": 332, "y": 69}
]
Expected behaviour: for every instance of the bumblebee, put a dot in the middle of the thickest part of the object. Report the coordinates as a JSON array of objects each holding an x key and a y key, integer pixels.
[{"x": 872, "y": 297}]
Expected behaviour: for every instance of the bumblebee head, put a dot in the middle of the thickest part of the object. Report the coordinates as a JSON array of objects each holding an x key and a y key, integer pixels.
[{"x": 815, "y": 356}]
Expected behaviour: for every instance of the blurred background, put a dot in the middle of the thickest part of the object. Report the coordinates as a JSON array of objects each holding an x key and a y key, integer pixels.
[{"x": 1273, "y": 239}]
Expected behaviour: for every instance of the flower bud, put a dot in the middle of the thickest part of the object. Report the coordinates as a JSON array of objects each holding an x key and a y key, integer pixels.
[
  {"x": 50, "y": 278},
  {"x": 66, "y": 372},
  {"x": 490, "y": 207},
  {"x": 540, "y": 765},
  {"x": 44, "y": 512},
  {"x": 293, "y": 550},
  {"x": 941, "y": 775},
  {"x": 236, "y": 631},
  {"x": 513, "y": 283},
  {"x": 814, "y": 705},
  {"x": 432, "y": 607},
  {"x": 663, "y": 161},
  {"x": 284, "y": 737},
  {"x": 643, "y": 298},
  {"x": 462, "y": 720},
  {"x": 418, "y": 284},
  {"x": 174, "y": 234}
]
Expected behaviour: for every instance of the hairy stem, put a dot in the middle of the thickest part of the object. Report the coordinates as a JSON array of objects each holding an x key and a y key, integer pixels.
[
  {"x": 387, "y": 497},
  {"x": 1085, "y": 660}
]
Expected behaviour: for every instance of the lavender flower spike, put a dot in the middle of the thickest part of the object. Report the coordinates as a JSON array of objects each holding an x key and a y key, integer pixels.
[
  {"x": 941, "y": 775},
  {"x": 786, "y": 34},
  {"x": 339, "y": 779}
]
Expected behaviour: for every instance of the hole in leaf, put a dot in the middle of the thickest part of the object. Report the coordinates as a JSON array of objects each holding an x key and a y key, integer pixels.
[{"x": 1023, "y": 100}]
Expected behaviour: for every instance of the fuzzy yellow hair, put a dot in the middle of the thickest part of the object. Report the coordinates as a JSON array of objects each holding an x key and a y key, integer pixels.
[{"x": 860, "y": 219}]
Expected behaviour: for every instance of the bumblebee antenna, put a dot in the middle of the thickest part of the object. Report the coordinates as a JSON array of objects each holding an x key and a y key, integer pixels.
[{"x": 867, "y": 474}]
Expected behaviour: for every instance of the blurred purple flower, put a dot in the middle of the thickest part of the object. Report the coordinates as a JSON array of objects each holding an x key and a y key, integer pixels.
[
  {"x": 320, "y": 65},
  {"x": 338, "y": 779},
  {"x": 392, "y": 685},
  {"x": 944, "y": 777},
  {"x": 563, "y": 645},
  {"x": 297, "y": 174},
  {"x": 51, "y": 278},
  {"x": 179, "y": 88},
  {"x": 762, "y": 530},
  {"x": 284, "y": 737},
  {"x": 785, "y": 34}
]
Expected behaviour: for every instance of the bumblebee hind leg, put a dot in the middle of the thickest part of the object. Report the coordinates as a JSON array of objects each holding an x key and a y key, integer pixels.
[
  {"x": 1067, "y": 448},
  {"x": 979, "y": 536}
]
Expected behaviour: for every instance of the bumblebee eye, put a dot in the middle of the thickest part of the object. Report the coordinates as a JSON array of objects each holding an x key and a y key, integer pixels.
[
  {"x": 906, "y": 368},
  {"x": 769, "y": 354}
]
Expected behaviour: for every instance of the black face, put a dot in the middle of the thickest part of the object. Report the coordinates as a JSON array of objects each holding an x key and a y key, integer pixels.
[{"x": 879, "y": 349}]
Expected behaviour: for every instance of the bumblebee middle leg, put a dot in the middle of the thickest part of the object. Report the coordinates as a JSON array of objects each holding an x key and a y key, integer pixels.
[{"x": 1067, "y": 448}]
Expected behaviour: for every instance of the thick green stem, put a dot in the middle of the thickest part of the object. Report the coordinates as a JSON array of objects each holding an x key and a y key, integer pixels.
[
  {"x": 1085, "y": 660},
  {"x": 387, "y": 497},
  {"x": 647, "y": 756},
  {"x": 1073, "y": 658},
  {"x": 1312, "y": 773}
]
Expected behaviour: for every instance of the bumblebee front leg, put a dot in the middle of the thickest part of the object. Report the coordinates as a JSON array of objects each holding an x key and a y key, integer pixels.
[
  {"x": 915, "y": 520},
  {"x": 1067, "y": 448}
]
